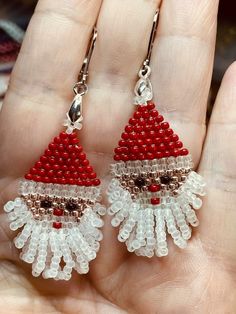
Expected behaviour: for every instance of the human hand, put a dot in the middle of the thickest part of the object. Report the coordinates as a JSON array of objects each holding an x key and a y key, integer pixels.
[{"x": 200, "y": 279}]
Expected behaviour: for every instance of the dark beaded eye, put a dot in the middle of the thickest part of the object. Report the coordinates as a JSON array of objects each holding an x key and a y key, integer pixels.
[
  {"x": 46, "y": 204},
  {"x": 71, "y": 206},
  {"x": 139, "y": 182},
  {"x": 165, "y": 179}
]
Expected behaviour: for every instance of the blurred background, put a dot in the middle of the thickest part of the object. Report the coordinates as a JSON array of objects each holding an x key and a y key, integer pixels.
[{"x": 15, "y": 15}]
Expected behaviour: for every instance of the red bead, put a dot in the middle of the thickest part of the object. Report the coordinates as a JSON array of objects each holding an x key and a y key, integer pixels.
[
  {"x": 72, "y": 135},
  {"x": 169, "y": 132},
  {"x": 83, "y": 176},
  {"x": 57, "y": 225},
  {"x": 60, "y": 161},
  {"x": 70, "y": 148},
  {"x": 138, "y": 128},
  {"x": 76, "y": 162},
  {"x": 59, "y": 173},
  {"x": 157, "y": 127},
  {"x": 46, "y": 179},
  {"x": 171, "y": 145},
  {"x": 43, "y": 159},
  {"x": 33, "y": 170},
  {"x": 167, "y": 153},
  {"x": 96, "y": 182},
  {"x": 63, "y": 181},
  {"x": 158, "y": 141},
  {"x": 151, "y": 120},
  {"x": 125, "y": 136},
  {"x": 52, "y": 160},
  {"x": 159, "y": 155},
  {"x": 56, "y": 154},
  {"x": 65, "y": 155},
  {"x": 150, "y": 156},
  {"x": 74, "y": 141},
  {"x": 155, "y": 201},
  {"x": 142, "y": 122},
  {"x": 175, "y": 152},
  {"x": 128, "y": 128},
  {"x": 37, "y": 178},
  {"x": 153, "y": 148},
  {"x": 165, "y": 125},
  {"x": 65, "y": 142},
  {"x": 77, "y": 149},
  {"x": 80, "y": 169},
  {"x": 117, "y": 157},
  {"x": 67, "y": 174},
  {"x": 130, "y": 143},
  {"x": 57, "y": 140},
  {"x": 141, "y": 156},
  {"x": 161, "y": 147},
  {"x": 132, "y": 157},
  {"x": 161, "y": 133},
  {"x": 64, "y": 167},
  {"x": 48, "y": 152},
  {"x": 63, "y": 135},
  {"x": 148, "y": 127},
  {"x": 41, "y": 172},
  {"x": 72, "y": 168},
  {"x": 85, "y": 162},
  {"x": 122, "y": 143},
  {"x": 38, "y": 164},
  {"x": 75, "y": 175},
  {"x": 148, "y": 141},
  {"x": 174, "y": 138},
  {"x": 141, "y": 108},
  {"x": 132, "y": 121},
  {"x": 56, "y": 167},
  {"x": 184, "y": 152},
  {"x": 89, "y": 169},
  {"x": 150, "y": 106},
  {"x": 166, "y": 139},
  {"x": 159, "y": 118},
  {"x": 124, "y": 157},
  {"x": 92, "y": 175},
  {"x": 71, "y": 181},
  {"x": 57, "y": 212},
  {"x": 50, "y": 173},
  {"x": 137, "y": 115},
  {"x": 152, "y": 134},
  {"x": 118, "y": 150},
  {"x": 133, "y": 136},
  {"x": 82, "y": 156},
  {"x": 60, "y": 147},
  {"x": 28, "y": 176},
  {"x": 145, "y": 114},
  {"x": 88, "y": 183},
  {"x": 134, "y": 149},
  {"x": 154, "y": 113},
  {"x": 140, "y": 142},
  {"x": 178, "y": 144},
  {"x": 47, "y": 166},
  {"x": 154, "y": 188},
  {"x": 143, "y": 149},
  {"x": 52, "y": 146}
]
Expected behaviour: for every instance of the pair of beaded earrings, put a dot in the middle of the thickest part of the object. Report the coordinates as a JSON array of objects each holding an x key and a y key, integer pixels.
[{"x": 152, "y": 193}]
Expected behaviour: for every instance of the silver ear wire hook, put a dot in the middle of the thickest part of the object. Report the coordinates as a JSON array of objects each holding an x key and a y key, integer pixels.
[
  {"x": 143, "y": 88},
  {"x": 151, "y": 41},
  {"x": 81, "y": 86},
  {"x": 74, "y": 115}
]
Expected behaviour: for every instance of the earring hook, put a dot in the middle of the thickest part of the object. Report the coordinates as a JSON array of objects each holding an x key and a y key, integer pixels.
[
  {"x": 147, "y": 60},
  {"x": 81, "y": 86}
]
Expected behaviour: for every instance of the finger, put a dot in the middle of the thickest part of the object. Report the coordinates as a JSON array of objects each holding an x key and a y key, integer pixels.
[
  {"x": 218, "y": 165},
  {"x": 43, "y": 77},
  {"x": 182, "y": 66}
]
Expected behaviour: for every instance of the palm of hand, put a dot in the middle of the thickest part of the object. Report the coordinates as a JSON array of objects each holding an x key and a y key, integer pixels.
[{"x": 200, "y": 279}]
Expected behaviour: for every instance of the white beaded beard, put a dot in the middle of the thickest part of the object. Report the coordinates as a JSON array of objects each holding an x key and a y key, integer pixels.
[
  {"x": 54, "y": 253},
  {"x": 143, "y": 226}
]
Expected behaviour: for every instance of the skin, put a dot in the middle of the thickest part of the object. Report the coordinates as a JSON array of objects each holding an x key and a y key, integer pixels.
[{"x": 200, "y": 279}]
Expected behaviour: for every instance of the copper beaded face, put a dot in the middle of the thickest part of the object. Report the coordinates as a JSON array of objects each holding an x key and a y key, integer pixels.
[
  {"x": 158, "y": 184},
  {"x": 55, "y": 208}
]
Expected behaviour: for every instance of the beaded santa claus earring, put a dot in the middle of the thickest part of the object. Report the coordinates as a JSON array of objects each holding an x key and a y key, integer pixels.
[
  {"x": 58, "y": 207},
  {"x": 154, "y": 189}
]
